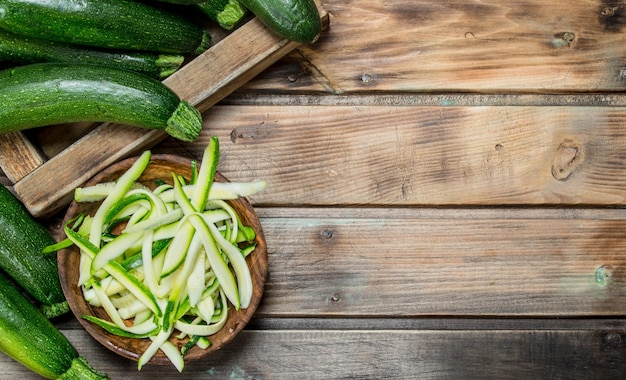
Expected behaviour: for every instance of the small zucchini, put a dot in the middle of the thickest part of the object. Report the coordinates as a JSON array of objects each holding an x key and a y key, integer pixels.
[
  {"x": 32, "y": 340},
  {"x": 43, "y": 94},
  {"x": 118, "y": 24},
  {"x": 22, "y": 239},
  {"x": 22, "y": 50},
  {"x": 296, "y": 20}
]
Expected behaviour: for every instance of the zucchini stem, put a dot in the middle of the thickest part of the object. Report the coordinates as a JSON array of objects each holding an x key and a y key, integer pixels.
[{"x": 185, "y": 123}]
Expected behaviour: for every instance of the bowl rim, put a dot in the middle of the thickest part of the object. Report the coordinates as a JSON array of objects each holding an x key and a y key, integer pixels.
[{"x": 129, "y": 350}]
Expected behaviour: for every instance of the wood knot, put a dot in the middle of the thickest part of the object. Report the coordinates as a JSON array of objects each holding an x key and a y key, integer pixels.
[
  {"x": 611, "y": 16},
  {"x": 564, "y": 39},
  {"x": 568, "y": 157}
]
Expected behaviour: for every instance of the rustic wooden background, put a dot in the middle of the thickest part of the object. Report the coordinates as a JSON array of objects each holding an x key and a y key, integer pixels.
[{"x": 445, "y": 200}]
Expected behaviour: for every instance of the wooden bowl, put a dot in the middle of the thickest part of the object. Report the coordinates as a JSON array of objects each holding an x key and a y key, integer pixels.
[{"x": 160, "y": 167}]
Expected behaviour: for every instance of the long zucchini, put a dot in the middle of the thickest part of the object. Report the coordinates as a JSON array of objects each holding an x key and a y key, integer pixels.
[
  {"x": 32, "y": 340},
  {"x": 20, "y": 50},
  {"x": 43, "y": 94},
  {"x": 22, "y": 239},
  {"x": 119, "y": 24},
  {"x": 296, "y": 20}
]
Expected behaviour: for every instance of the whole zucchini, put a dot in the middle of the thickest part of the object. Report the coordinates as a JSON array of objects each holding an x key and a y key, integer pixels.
[
  {"x": 32, "y": 340},
  {"x": 296, "y": 20},
  {"x": 119, "y": 24},
  {"x": 22, "y": 50},
  {"x": 43, "y": 94},
  {"x": 22, "y": 239}
]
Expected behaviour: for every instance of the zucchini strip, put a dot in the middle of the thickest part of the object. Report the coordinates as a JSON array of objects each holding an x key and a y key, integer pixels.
[{"x": 117, "y": 193}]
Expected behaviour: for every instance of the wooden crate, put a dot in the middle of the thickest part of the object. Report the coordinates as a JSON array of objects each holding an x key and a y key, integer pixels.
[{"x": 44, "y": 183}]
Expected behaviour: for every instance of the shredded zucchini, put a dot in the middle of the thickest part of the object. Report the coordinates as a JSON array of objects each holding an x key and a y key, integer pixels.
[{"x": 176, "y": 265}]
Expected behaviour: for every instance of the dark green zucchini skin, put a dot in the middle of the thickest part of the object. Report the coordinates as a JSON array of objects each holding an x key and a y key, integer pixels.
[
  {"x": 181, "y": 2},
  {"x": 22, "y": 239},
  {"x": 296, "y": 20},
  {"x": 227, "y": 13},
  {"x": 118, "y": 24},
  {"x": 20, "y": 50},
  {"x": 44, "y": 94},
  {"x": 32, "y": 340}
]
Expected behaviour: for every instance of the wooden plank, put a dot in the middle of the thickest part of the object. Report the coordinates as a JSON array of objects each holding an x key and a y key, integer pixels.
[
  {"x": 422, "y": 155},
  {"x": 406, "y": 262},
  {"x": 456, "y": 46},
  {"x": 15, "y": 147},
  {"x": 382, "y": 354},
  {"x": 402, "y": 263},
  {"x": 204, "y": 81}
]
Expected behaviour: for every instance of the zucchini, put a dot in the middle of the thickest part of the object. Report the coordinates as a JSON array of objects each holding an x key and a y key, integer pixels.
[
  {"x": 43, "y": 94},
  {"x": 227, "y": 13},
  {"x": 296, "y": 20},
  {"x": 32, "y": 340},
  {"x": 118, "y": 24},
  {"x": 22, "y": 50},
  {"x": 181, "y": 2},
  {"x": 22, "y": 239}
]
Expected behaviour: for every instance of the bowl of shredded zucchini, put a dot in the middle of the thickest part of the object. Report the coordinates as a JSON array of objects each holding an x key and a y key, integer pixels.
[{"x": 164, "y": 259}]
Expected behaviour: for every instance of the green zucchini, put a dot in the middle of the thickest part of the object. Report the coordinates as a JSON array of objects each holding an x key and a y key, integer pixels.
[
  {"x": 22, "y": 50},
  {"x": 181, "y": 2},
  {"x": 32, "y": 340},
  {"x": 296, "y": 20},
  {"x": 22, "y": 239},
  {"x": 43, "y": 94},
  {"x": 118, "y": 24},
  {"x": 227, "y": 13}
]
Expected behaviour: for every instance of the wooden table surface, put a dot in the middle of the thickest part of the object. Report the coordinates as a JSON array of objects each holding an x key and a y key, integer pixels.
[{"x": 445, "y": 199}]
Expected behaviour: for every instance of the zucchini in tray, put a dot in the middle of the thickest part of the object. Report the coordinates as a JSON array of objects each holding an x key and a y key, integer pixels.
[
  {"x": 22, "y": 240},
  {"x": 116, "y": 24},
  {"x": 32, "y": 340},
  {"x": 22, "y": 50},
  {"x": 42, "y": 94}
]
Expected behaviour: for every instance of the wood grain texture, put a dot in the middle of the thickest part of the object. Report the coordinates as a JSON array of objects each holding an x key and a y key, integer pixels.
[
  {"x": 375, "y": 263},
  {"x": 422, "y": 155},
  {"x": 417, "y": 263},
  {"x": 383, "y": 354},
  {"x": 18, "y": 156},
  {"x": 468, "y": 46}
]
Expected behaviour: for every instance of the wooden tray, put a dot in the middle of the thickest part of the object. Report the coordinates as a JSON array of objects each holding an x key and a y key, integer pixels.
[{"x": 46, "y": 185}]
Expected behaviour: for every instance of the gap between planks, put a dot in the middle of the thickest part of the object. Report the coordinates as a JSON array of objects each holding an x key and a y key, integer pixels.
[
  {"x": 547, "y": 213},
  {"x": 428, "y": 99}
]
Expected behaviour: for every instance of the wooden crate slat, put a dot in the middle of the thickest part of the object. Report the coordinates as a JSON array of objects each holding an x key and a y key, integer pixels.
[{"x": 18, "y": 156}]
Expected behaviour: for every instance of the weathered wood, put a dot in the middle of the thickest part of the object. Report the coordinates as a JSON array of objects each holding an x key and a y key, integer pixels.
[
  {"x": 399, "y": 263},
  {"x": 18, "y": 156},
  {"x": 383, "y": 354},
  {"x": 422, "y": 155},
  {"x": 457, "y": 46},
  {"x": 404, "y": 262}
]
